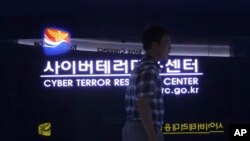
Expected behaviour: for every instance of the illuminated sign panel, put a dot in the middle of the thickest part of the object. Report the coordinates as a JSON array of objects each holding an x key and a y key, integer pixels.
[
  {"x": 214, "y": 127},
  {"x": 55, "y": 41},
  {"x": 179, "y": 76}
]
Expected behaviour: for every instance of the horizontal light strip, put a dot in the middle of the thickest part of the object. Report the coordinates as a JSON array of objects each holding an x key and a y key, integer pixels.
[
  {"x": 179, "y": 133},
  {"x": 140, "y": 44},
  {"x": 95, "y": 45},
  {"x": 117, "y": 75},
  {"x": 216, "y": 131}
]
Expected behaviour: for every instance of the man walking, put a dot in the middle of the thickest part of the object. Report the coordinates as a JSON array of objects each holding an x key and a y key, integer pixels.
[{"x": 143, "y": 98}]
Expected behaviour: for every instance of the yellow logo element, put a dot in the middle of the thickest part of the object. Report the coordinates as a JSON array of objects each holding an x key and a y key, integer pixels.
[
  {"x": 57, "y": 34},
  {"x": 44, "y": 129}
]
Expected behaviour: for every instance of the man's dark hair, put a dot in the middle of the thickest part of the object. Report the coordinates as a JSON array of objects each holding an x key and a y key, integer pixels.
[{"x": 153, "y": 33}]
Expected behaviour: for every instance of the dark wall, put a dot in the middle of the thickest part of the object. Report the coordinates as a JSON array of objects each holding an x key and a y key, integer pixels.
[{"x": 98, "y": 114}]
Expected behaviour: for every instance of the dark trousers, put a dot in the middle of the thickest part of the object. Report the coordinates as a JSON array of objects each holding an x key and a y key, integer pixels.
[{"x": 134, "y": 131}]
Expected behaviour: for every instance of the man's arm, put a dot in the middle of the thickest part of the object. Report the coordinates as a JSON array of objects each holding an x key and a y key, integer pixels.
[{"x": 146, "y": 117}]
